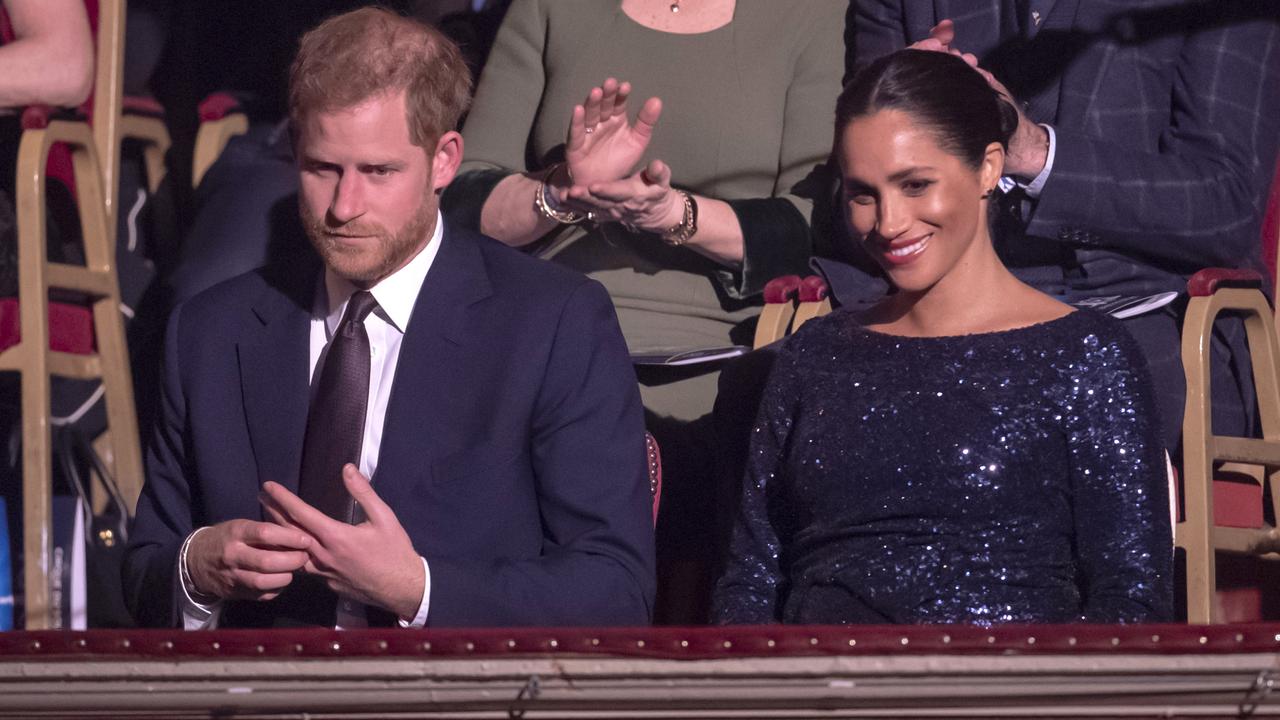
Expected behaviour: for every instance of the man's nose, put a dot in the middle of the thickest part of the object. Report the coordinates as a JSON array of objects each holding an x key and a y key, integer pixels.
[{"x": 348, "y": 199}]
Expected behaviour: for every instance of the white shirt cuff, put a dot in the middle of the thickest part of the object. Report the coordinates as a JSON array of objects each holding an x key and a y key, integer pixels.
[
  {"x": 1034, "y": 187},
  {"x": 420, "y": 620},
  {"x": 195, "y": 615}
]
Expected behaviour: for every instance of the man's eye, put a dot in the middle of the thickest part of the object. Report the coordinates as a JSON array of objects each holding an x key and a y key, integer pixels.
[{"x": 381, "y": 171}]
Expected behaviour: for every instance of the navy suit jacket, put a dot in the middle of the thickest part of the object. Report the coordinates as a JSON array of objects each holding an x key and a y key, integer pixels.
[
  {"x": 513, "y": 450},
  {"x": 1167, "y": 115}
]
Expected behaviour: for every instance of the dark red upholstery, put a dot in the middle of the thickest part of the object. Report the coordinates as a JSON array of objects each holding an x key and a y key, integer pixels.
[
  {"x": 813, "y": 289},
  {"x": 782, "y": 289},
  {"x": 1206, "y": 282},
  {"x": 142, "y": 105},
  {"x": 653, "y": 456},
  {"x": 674, "y": 643},
  {"x": 217, "y": 106},
  {"x": 70, "y": 327}
]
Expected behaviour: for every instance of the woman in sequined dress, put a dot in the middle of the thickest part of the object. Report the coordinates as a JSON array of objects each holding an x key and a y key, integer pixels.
[{"x": 967, "y": 449}]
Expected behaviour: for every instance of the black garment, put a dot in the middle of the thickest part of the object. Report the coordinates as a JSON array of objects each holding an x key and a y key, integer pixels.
[{"x": 991, "y": 478}]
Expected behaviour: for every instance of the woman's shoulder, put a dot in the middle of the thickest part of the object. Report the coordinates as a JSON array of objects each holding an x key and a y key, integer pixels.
[
  {"x": 799, "y": 20},
  {"x": 1092, "y": 329}
]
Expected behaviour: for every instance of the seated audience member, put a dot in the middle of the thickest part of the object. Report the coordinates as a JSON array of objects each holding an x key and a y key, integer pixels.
[
  {"x": 49, "y": 62},
  {"x": 422, "y": 423},
  {"x": 683, "y": 218},
  {"x": 968, "y": 449},
  {"x": 1147, "y": 142}
]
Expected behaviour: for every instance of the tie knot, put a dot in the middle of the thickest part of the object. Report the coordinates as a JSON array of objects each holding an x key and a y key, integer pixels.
[{"x": 360, "y": 305}]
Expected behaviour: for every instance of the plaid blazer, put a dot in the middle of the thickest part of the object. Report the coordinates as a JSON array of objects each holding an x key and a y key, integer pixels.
[{"x": 1167, "y": 114}]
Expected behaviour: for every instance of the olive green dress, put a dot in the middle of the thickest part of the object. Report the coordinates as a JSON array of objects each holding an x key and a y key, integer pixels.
[{"x": 747, "y": 118}]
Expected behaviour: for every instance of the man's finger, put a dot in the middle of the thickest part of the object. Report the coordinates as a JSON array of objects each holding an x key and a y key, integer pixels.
[
  {"x": 944, "y": 32},
  {"x": 271, "y": 561},
  {"x": 362, "y": 490},
  {"x": 276, "y": 515},
  {"x": 308, "y": 519},
  {"x": 257, "y": 583},
  {"x": 268, "y": 535}
]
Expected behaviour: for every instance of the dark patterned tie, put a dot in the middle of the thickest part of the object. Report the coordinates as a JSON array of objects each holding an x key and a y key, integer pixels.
[{"x": 335, "y": 423}]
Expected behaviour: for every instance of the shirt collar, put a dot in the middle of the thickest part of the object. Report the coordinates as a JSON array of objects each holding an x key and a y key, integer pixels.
[{"x": 396, "y": 293}]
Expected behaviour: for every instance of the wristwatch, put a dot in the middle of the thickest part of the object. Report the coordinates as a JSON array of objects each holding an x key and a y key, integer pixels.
[{"x": 680, "y": 233}]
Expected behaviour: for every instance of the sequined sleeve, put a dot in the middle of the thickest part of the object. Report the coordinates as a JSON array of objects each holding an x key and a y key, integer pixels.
[
  {"x": 1119, "y": 483},
  {"x": 748, "y": 590}
]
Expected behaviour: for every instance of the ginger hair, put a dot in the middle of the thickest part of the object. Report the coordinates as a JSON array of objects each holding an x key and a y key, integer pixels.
[{"x": 366, "y": 53}]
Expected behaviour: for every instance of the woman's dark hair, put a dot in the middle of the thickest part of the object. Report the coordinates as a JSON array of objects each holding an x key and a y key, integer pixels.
[{"x": 939, "y": 91}]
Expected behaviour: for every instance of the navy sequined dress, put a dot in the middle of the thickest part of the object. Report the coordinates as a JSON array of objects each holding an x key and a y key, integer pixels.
[{"x": 1013, "y": 476}]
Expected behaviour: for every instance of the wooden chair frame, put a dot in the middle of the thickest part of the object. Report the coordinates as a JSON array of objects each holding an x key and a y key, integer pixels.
[
  {"x": 95, "y": 155},
  {"x": 154, "y": 136},
  {"x": 35, "y": 362},
  {"x": 1197, "y": 534},
  {"x": 212, "y": 139}
]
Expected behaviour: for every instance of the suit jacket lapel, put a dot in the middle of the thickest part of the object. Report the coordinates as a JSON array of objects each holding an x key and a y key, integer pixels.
[
  {"x": 427, "y": 385},
  {"x": 274, "y": 357}
]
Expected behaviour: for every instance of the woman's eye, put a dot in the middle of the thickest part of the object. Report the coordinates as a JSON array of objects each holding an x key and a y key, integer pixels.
[
  {"x": 915, "y": 187},
  {"x": 861, "y": 198}
]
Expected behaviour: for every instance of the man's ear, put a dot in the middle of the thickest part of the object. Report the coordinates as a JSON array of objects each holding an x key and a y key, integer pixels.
[
  {"x": 992, "y": 166},
  {"x": 445, "y": 160}
]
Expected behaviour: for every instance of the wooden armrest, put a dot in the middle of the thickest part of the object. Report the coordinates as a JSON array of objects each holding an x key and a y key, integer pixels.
[
  {"x": 782, "y": 289},
  {"x": 1206, "y": 282},
  {"x": 813, "y": 289}
]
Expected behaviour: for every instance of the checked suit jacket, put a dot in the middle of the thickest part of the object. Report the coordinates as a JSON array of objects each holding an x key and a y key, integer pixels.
[
  {"x": 1167, "y": 115},
  {"x": 513, "y": 449}
]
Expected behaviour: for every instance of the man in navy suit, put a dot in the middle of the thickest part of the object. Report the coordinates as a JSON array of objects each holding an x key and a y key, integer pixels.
[
  {"x": 1146, "y": 145},
  {"x": 501, "y": 426}
]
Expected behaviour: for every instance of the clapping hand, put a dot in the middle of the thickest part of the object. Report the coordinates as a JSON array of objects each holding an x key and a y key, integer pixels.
[
  {"x": 373, "y": 562},
  {"x": 603, "y": 144},
  {"x": 643, "y": 200}
]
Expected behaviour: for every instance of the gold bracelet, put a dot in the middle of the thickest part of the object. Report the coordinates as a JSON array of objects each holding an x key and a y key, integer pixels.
[
  {"x": 680, "y": 233},
  {"x": 543, "y": 206}
]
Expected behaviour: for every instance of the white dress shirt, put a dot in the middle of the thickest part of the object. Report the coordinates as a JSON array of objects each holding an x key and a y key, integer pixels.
[{"x": 396, "y": 295}]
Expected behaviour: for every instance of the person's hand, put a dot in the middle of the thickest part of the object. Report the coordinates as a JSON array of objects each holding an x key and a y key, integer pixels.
[
  {"x": 245, "y": 560},
  {"x": 644, "y": 200},
  {"x": 1029, "y": 145},
  {"x": 603, "y": 145},
  {"x": 373, "y": 562},
  {"x": 940, "y": 38}
]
